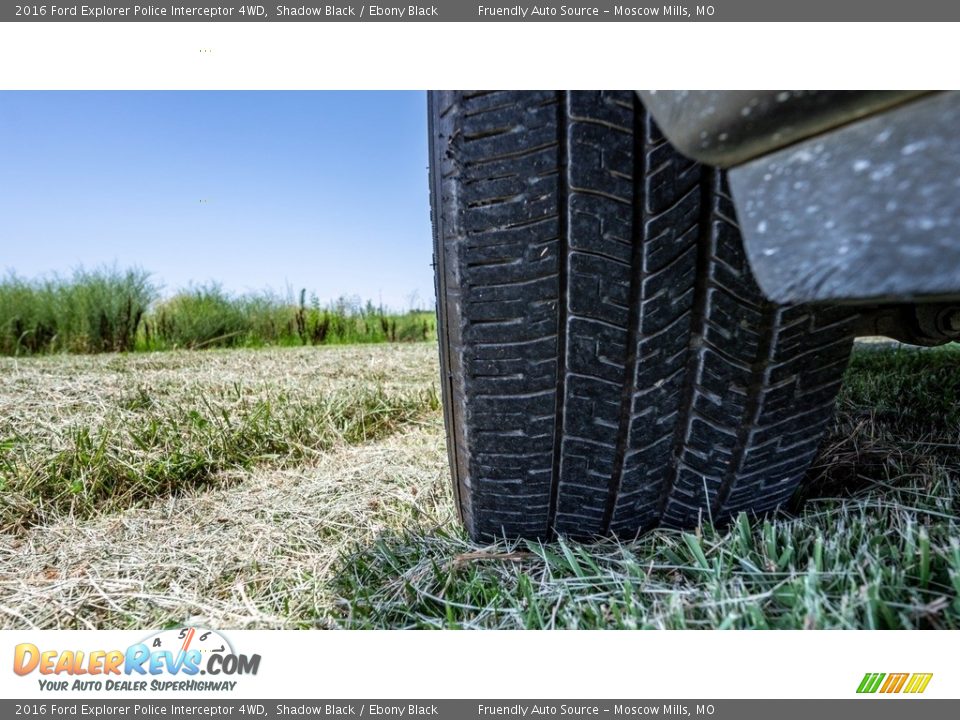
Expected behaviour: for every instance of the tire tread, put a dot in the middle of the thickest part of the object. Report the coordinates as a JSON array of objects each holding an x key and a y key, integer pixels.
[{"x": 609, "y": 363}]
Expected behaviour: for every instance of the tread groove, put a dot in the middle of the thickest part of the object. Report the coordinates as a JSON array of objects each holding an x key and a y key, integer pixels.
[
  {"x": 635, "y": 317},
  {"x": 697, "y": 330},
  {"x": 563, "y": 244},
  {"x": 753, "y": 407}
]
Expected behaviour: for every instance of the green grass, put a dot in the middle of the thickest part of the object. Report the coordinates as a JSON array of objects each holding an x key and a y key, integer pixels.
[
  {"x": 108, "y": 310},
  {"x": 91, "y": 311},
  {"x": 874, "y": 545},
  {"x": 204, "y": 317}
]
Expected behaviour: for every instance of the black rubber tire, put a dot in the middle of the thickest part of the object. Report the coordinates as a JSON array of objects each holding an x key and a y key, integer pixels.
[{"x": 609, "y": 364}]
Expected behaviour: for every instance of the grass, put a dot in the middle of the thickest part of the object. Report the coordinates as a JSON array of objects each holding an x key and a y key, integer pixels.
[
  {"x": 206, "y": 316},
  {"x": 92, "y": 311},
  {"x": 360, "y": 532},
  {"x": 155, "y": 439},
  {"x": 165, "y": 446},
  {"x": 874, "y": 545},
  {"x": 108, "y": 310}
]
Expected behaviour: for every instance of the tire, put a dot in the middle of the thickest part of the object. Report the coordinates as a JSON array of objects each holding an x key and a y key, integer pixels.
[{"x": 608, "y": 362}]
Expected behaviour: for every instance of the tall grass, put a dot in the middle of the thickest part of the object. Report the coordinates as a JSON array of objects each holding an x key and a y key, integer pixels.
[
  {"x": 108, "y": 310},
  {"x": 199, "y": 317},
  {"x": 90, "y": 311},
  {"x": 207, "y": 316}
]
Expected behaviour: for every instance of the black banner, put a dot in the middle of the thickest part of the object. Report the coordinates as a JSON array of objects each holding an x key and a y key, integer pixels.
[
  {"x": 482, "y": 11},
  {"x": 874, "y": 708}
]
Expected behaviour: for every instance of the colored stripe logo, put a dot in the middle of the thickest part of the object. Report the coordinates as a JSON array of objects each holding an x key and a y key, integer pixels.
[{"x": 913, "y": 683}]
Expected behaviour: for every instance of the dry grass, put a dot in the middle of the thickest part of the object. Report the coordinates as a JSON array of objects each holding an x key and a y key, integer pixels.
[
  {"x": 257, "y": 554},
  {"x": 111, "y": 439},
  {"x": 207, "y": 549},
  {"x": 364, "y": 535},
  {"x": 41, "y": 395}
]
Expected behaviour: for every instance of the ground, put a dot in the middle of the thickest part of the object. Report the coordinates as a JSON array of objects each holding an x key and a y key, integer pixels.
[{"x": 301, "y": 488}]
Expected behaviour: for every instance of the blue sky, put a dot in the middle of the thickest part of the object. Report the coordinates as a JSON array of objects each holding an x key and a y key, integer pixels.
[{"x": 322, "y": 190}]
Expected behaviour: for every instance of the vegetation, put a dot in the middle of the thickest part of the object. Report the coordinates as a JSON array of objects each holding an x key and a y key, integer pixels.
[
  {"x": 309, "y": 487},
  {"x": 164, "y": 433},
  {"x": 97, "y": 311},
  {"x": 874, "y": 544},
  {"x": 109, "y": 310},
  {"x": 172, "y": 447}
]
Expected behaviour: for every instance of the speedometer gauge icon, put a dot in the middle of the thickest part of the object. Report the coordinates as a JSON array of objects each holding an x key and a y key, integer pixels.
[{"x": 183, "y": 639}]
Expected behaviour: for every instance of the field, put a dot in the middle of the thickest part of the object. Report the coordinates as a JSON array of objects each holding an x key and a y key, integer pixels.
[{"x": 307, "y": 488}]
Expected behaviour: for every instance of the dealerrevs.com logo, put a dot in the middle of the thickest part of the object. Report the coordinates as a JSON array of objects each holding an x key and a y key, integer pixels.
[{"x": 170, "y": 660}]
